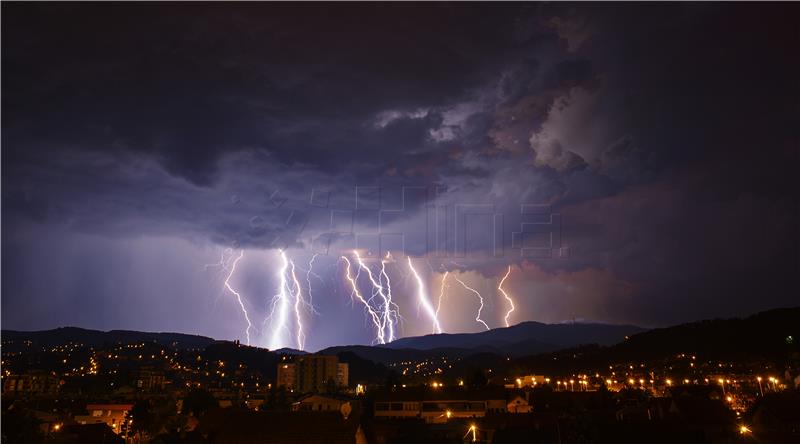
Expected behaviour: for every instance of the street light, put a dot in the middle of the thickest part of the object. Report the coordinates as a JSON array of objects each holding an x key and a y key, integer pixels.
[
  {"x": 474, "y": 431},
  {"x": 760, "y": 389},
  {"x": 722, "y": 383},
  {"x": 743, "y": 430}
]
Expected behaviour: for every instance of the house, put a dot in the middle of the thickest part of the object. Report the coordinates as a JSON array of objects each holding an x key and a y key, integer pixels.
[
  {"x": 320, "y": 403},
  {"x": 112, "y": 415},
  {"x": 518, "y": 405},
  {"x": 438, "y": 405},
  {"x": 35, "y": 382}
]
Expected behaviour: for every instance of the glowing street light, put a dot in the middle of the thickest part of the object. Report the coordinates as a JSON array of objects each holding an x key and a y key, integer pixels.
[
  {"x": 743, "y": 430},
  {"x": 760, "y": 389},
  {"x": 474, "y": 430}
]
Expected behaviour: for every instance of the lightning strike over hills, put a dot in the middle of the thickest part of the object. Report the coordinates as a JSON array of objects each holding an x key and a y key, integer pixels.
[
  {"x": 423, "y": 298},
  {"x": 309, "y": 272},
  {"x": 238, "y": 296},
  {"x": 389, "y": 311},
  {"x": 376, "y": 318},
  {"x": 298, "y": 301},
  {"x": 280, "y": 305},
  {"x": 480, "y": 298},
  {"x": 508, "y": 298},
  {"x": 441, "y": 293}
]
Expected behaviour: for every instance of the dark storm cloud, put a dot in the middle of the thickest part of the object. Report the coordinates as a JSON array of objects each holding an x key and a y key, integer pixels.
[{"x": 646, "y": 126}]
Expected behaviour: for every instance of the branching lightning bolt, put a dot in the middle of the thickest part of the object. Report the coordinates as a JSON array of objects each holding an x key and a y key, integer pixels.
[
  {"x": 289, "y": 288},
  {"x": 423, "y": 298},
  {"x": 298, "y": 301},
  {"x": 389, "y": 312},
  {"x": 280, "y": 304},
  {"x": 480, "y": 298},
  {"x": 441, "y": 293},
  {"x": 392, "y": 310},
  {"x": 508, "y": 298},
  {"x": 356, "y": 293},
  {"x": 238, "y": 296},
  {"x": 308, "y": 277}
]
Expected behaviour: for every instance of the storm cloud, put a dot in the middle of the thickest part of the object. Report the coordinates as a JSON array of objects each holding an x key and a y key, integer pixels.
[{"x": 651, "y": 146}]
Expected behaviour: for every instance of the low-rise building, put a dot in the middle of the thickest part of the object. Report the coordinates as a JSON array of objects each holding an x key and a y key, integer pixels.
[
  {"x": 320, "y": 403},
  {"x": 111, "y": 414},
  {"x": 34, "y": 382},
  {"x": 436, "y": 405},
  {"x": 150, "y": 379}
]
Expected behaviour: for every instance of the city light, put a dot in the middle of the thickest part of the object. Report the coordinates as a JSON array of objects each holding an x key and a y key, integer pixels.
[{"x": 743, "y": 430}]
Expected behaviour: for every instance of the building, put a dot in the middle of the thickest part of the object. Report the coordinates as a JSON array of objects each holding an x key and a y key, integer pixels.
[
  {"x": 519, "y": 405},
  {"x": 313, "y": 373},
  {"x": 150, "y": 379},
  {"x": 439, "y": 405},
  {"x": 532, "y": 380},
  {"x": 287, "y": 375},
  {"x": 34, "y": 382},
  {"x": 111, "y": 414},
  {"x": 321, "y": 403}
]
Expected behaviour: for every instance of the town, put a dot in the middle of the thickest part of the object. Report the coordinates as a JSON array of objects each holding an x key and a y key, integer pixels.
[{"x": 224, "y": 392}]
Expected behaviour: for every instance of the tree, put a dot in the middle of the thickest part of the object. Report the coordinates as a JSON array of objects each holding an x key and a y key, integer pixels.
[
  {"x": 139, "y": 418},
  {"x": 478, "y": 379},
  {"x": 198, "y": 402},
  {"x": 20, "y": 426}
]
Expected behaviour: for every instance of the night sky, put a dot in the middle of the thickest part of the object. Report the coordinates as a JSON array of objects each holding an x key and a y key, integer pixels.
[{"x": 631, "y": 163}]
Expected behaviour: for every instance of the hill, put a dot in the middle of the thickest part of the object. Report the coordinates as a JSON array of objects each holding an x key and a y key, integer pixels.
[
  {"x": 770, "y": 335},
  {"x": 14, "y": 340},
  {"x": 523, "y": 339}
]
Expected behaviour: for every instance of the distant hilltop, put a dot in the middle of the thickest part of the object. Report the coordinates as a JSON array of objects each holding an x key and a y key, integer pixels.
[
  {"x": 525, "y": 338},
  {"x": 14, "y": 340},
  {"x": 748, "y": 335}
]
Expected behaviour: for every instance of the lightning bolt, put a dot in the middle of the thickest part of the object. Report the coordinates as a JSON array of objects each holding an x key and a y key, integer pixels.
[
  {"x": 280, "y": 302},
  {"x": 423, "y": 298},
  {"x": 508, "y": 298},
  {"x": 480, "y": 298},
  {"x": 238, "y": 296},
  {"x": 441, "y": 293},
  {"x": 289, "y": 289},
  {"x": 391, "y": 309},
  {"x": 298, "y": 301},
  {"x": 376, "y": 319},
  {"x": 308, "y": 277},
  {"x": 388, "y": 317}
]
